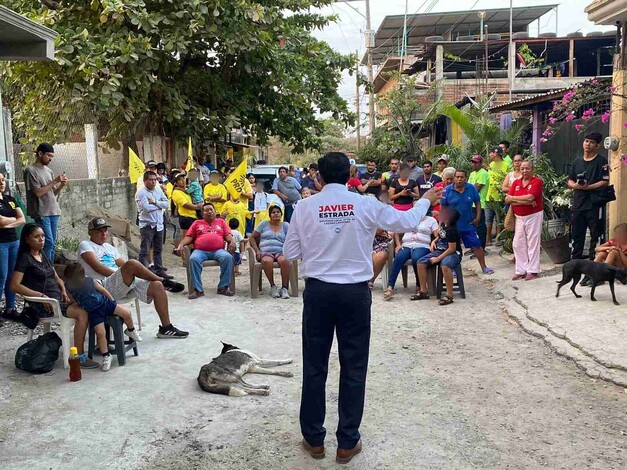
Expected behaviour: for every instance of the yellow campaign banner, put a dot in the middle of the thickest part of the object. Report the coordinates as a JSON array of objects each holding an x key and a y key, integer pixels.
[
  {"x": 136, "y": 167},
  {"x": 190, "y": 159},
  {"x": 235, "y": 182}
]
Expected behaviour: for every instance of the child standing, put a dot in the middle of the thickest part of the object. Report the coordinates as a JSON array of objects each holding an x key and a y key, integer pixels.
[
  {"x": 95, "y": 299},
  {"x": 240, "y": 243}
]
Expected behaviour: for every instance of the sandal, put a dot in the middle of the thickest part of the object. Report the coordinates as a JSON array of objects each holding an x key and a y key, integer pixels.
[
  {"x": 446, "y": 300},
  {"x": 419, "y": 296},
  {"x": 388, "y": 294}
]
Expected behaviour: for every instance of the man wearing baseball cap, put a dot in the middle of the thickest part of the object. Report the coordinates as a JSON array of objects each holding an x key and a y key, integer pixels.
[
  {"x": 42, "y": 190},
  {"x": 121, "y": 278},
  {"x": 440, "y": 164}
]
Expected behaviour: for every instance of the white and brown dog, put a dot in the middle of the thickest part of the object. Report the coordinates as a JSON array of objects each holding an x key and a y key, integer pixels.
[{"x": 224, "y": 373}]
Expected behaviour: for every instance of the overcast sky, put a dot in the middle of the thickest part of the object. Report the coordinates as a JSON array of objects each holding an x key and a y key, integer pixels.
[{"x": 346, "y": 35}]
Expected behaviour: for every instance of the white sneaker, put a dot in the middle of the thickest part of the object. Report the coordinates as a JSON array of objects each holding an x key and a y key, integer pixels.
[
  {"x": 134, "y": 335},
  {"x": 106, "y": 363},
  {"x": 274, "y": 292},
  {"x": 244, "y": 258},
  {"x": 283, "y": 293}
]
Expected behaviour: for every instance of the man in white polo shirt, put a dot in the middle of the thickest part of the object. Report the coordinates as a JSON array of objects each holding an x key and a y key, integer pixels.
[{"x": 332, "y": 233}]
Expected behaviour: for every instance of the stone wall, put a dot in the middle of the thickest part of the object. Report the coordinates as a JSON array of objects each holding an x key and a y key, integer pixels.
[{"x": 82, "y": 197}]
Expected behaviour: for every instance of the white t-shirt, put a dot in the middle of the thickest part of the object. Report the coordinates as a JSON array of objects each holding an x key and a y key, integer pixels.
[
  {"x": 421, "y": 236},
  {"x": 237, "y": 238},
  {"x": 106, "y": 254}
]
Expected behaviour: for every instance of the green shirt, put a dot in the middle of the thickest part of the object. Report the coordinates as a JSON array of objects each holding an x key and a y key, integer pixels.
[
  {"x": 480, "y": 177},
  {"x": 498, "y": 171},
  {"x": 508, "y": 159}
]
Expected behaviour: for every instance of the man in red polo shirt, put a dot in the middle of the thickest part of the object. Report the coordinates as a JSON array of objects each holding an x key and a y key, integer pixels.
[
  {"x": 526, "y": 198},
  {"x": 209, "y": 236}
]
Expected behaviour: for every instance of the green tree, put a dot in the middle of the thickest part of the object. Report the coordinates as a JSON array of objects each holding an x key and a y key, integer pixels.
[
  {"x": 180, "y": 68},
  {"x": 399, "y": 110}
]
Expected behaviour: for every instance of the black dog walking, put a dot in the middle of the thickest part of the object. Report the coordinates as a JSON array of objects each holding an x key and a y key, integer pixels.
[
  {"x": 332, "y": 232},
  {"x": 598, "y": 273}
]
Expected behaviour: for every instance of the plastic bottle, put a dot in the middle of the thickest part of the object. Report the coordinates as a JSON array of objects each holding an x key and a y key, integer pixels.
[{"x": 75, "y": 365}]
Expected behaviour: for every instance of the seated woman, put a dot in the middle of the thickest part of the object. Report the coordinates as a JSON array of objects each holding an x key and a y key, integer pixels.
[
  {"x": 267, "y": 241},
  {"x": 379, "y": 253},
  {"x": 35, "y": 276},
  {"x": 613, "y": 252},
  {"x": 446, "y": 251},
  {"x": 185, "y": 207},
  {"x": 414, "y": 245}
]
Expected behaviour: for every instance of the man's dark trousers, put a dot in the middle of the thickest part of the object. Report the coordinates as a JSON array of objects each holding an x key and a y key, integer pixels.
[
  {"x": 581, "y": 221},
  {"x": 151, "y": 238},
  {"x": 344, "y": 308},
  {"x": 482, "y": 229}
]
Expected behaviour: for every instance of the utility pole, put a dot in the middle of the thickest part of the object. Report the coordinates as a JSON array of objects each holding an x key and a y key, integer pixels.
[
  {"x": 357, "y": 104},
  {"x": 369, "y": 46},
  {"x": 369, "y": 40}
]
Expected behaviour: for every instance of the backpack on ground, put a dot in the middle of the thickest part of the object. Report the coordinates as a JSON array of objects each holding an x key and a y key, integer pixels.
[{"x": 39, "y": 355}]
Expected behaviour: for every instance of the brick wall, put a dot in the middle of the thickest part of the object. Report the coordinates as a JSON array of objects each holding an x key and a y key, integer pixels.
[{"x": 115, "y": 195}]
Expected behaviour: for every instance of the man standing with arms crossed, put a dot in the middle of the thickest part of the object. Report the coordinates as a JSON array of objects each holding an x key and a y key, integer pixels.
[
  {"x": 332, "y": 232},
  {"x": 42, "y": 190}
]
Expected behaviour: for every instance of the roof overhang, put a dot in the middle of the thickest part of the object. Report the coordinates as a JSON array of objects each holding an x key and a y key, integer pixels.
[
  {"x": 607, "y": 11},
  {"x": 450, "y": 25},
  {"x": 24, "y": 39}
]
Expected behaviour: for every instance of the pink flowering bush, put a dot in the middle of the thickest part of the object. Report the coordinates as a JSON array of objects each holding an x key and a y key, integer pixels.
[{"x": 583, "y": 102}]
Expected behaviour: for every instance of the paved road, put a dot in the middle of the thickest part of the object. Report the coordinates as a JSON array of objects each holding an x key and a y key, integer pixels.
[{"x": 451, "y": 387}]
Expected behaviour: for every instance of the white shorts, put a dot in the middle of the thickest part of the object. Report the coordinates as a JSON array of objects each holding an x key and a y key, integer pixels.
[{"x": 118, "y": 289}]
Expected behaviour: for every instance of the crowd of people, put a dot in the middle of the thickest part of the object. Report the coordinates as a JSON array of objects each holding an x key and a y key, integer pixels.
[{"x": 218, "y": 225}]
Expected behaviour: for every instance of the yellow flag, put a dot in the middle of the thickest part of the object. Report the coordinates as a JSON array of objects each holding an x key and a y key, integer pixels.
[
  {"x": 190, "y": 159},
  {"x": 136, "y": 167},
  {"x": 235, "y": 182}
]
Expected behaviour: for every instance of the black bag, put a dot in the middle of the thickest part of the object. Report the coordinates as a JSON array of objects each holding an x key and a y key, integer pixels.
[
  {"x": 601, "y": 196},
  {"x": 39, "y": 355}
]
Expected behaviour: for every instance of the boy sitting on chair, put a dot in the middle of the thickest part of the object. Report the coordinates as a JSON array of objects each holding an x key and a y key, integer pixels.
[
  {"x": 99, "y": 304},
  {"x": 445, "y": 250}
]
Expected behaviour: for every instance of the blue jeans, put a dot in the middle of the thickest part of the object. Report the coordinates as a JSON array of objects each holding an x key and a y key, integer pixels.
[
  {"x": 8, "y": 256},
  {"x": 406, "y": 254},
  {"x": 223, "y": 257},
  {"x": 49, "y": 224}
]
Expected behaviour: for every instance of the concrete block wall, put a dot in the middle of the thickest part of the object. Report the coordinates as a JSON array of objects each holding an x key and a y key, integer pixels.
[{"x": 115, "y": 195}]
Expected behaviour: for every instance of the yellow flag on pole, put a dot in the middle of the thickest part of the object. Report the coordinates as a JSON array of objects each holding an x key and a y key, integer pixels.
[
  {"x": 190, "y": 158},
  {"x": 236, "y": 180},
  {"x": 136, "y": 167}
]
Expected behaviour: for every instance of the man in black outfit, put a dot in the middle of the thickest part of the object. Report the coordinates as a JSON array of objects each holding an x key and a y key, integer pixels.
[
  {"x": 427, "y": 180},
  {"x": 589, "y": 176},
  {"x": 372, "y": 173}
]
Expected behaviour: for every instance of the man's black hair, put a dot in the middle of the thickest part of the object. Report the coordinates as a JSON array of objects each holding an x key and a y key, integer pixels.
[
  {"x": 506, "y": 143},
  {"x": 427, "y": 162},
  {"x": 313, "y": 166},
  {"x": 462, "y": 171},
  {"x": 233, "y": 224},
  {"x": 284, "y": 168},
  {"x": 148, "y": 174},
  {"x": 334, "y": 168},
  {"x": 371, "y": 160},
  {"x": 208, "y": 204},
  {"x": 597, "y": 137}
]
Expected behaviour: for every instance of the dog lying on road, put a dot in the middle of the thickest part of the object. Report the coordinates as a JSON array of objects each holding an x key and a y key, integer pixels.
[
  {"x": 597, "y": 272},
  {"x": 224, "y": 373}
]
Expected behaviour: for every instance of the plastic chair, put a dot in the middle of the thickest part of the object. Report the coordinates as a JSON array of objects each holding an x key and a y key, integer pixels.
[
  {"x": 255, "y": 270},
  {"x": 120, "y": 345},
  {"x": 458, "y": 282},
  {"x": 186, "y": 254},
  {"x": 431, "y": 271},
  {"x": 66, "y": 325},
  {"x": 130, "y": 298}
]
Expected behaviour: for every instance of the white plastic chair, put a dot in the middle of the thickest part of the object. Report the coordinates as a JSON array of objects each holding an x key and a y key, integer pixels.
[
  {"x": 129, "y": 299},
  {"x": 66, "y": 325}
]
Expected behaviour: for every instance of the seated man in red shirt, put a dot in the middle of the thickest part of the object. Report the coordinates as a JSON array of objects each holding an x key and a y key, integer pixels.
[{"x": 209, "y": 236}]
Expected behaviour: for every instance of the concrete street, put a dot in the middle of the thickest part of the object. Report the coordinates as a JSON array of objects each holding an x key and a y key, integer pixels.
[{"x": 456, "y": 387}]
